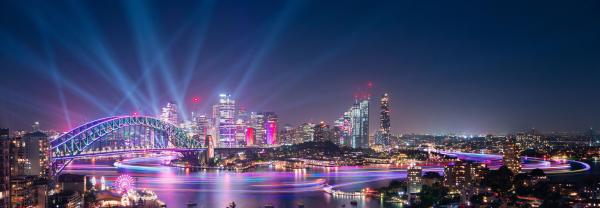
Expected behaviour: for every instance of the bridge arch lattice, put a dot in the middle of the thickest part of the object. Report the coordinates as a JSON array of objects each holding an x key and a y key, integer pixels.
[{"x": 115, "y": 134}]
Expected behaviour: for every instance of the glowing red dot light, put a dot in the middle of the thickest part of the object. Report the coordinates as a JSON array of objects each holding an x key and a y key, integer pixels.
[{"x": 195, "y": 99}]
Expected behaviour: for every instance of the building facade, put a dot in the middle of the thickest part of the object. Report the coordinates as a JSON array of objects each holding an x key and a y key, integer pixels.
[
  {"x": 383, "y": 137},
  {"x": 250, "y": 136},
  {"x": 270, "y": 123},
  {"x": 321, "y": 132},
  {"x": 209, "y": 142},
  {"x": 344, "y": 123},
  {"x": 37, "y": 153},
  {"x": 414, "y": 180},
  {"x": 511, "y": 157},
  {"x": 463, "y": 178},
  {"x": 306, "y": 133},
  {"x": 169, "y": 114},
  {"x": 225, "y": 121},
  {"x": 257, "y": 122},
  {"x": 360, "y": 124},
  {"x": 5, "y": 168}
]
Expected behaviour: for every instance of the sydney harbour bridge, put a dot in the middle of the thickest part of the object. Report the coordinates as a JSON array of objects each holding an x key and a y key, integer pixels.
[{"x": 120, "y": 135}]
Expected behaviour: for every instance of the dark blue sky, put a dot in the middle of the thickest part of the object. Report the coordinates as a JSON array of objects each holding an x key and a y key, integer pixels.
[{"x": 450, "y": 66}]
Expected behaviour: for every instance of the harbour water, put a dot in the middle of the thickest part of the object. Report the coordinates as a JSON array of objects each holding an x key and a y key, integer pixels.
[{"x": 263, "y": 185}]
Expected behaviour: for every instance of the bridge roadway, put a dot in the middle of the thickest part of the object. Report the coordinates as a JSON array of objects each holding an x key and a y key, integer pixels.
[{"x": 147, "y": 150}]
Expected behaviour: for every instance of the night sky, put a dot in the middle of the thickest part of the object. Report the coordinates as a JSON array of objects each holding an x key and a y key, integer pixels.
[{"x": 449, "y": 66}]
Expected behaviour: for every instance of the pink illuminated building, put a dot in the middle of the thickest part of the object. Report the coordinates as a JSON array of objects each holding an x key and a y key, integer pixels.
[
  {"x": 250, "y": 136},
  {"x": 270, "y": 128}
]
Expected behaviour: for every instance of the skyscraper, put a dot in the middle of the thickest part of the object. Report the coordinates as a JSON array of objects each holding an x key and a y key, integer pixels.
[
  {"x": 354, "y": 124},
  {"x": 270, "y": 128},
  {"x": 286, "y": 135},
  {"x": 360, "y": 123},
  {"x": 250, "y": 136},
  {"x": 169, "y": 114},
  {"x": 225, "y": 120},
  {"x": 4, "y": 168},
  {"x": 257, "y": 122},
  {"x": 321, "y": 131},
  {"x": 201, "y": 126},
  {"x": 240, "y": 132},
  {"x": 344, "y": 123},
  {"x": 384, "y": 121},
  {"x": 305, "y": 133},
  {"x": 335, "y": 135}
]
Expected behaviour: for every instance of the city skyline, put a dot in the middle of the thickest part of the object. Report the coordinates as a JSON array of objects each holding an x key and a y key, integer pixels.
[
  {"x": 508, "y": 70},
  {"x": 299, "y": 103}
]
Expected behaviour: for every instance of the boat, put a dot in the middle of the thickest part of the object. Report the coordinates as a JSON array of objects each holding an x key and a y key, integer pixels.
[{"x": 191, "y": 204}]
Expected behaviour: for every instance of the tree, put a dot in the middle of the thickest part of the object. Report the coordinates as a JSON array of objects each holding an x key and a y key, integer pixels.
[
  {"x": 537, "y": 172},
  {"x": 499, "y": 180},
  {"x": 476, "y": 199},
  {"x": 431, "y": 174},
  {"x": 429, "y": 195}
]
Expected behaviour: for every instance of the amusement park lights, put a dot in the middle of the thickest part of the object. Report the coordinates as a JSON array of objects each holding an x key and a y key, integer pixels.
[{"x": 124, "y": 183}]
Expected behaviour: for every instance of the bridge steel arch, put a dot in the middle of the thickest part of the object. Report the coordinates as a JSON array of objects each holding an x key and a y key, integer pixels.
[{"x": 74, "y": 143}]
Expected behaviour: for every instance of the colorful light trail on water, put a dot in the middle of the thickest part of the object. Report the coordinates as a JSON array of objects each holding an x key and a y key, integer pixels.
[{"x": 172, "y": 183}]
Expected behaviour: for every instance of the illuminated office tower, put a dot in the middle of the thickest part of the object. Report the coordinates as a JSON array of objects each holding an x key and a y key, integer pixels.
[
  {"x": 335, "y": 135},
  {"x": 242, "y": 113},
  {"x": 225, "y": 120},
  {"x": 240, "y": 132},
  {"x": 286, "y": 135},
  {"x": 215, "y": 114},
  {"x": 359, "y": 117},
  {"x": 257, "y": 122},
  {"x": 344, "y": 124},
  {"x": 383, "y": 137},
  {"x": 201, "y": 125},
  {"x": 511, "y": 156},
  {"x": 338, "y": 124},
  {"x": 414, "y": 180},
  {"x": 307, "y": 132},
  {"x": 37, "y": 152},
  {"x": 593, "y": 138},
  {"x": 241, "y": 123},
  {"x": 5, "y": 168},
  {"x": 169, "y": 114},
  {"x": 270, "y": 122},
  {"x": 250, "y": 136},
  {"x": 321, "y": 131}
]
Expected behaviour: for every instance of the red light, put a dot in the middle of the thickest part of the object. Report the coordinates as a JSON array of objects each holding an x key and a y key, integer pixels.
[
  {"x": 135, "y": 113},
  {"x": 195, "y": 99},
  {"x": 369, "y": 84}
]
